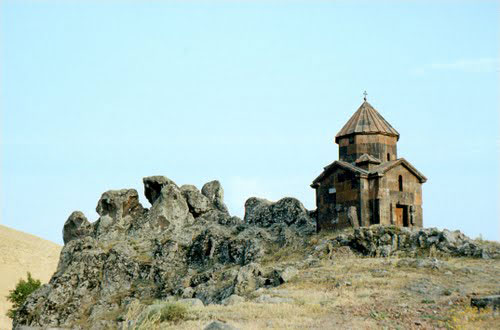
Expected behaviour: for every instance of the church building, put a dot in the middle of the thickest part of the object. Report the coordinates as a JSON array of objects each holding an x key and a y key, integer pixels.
[{"x": 369, "y": 184}]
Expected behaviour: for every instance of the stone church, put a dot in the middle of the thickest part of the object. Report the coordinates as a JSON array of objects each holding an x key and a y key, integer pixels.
[{"x": 369, "y": 184}]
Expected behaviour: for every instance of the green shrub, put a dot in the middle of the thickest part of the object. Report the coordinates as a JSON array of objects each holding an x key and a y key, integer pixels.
[
  {"x": 173, "y": 312},
  {"x": 18, "y": 296},
  {"x": 168, "y": 312}
]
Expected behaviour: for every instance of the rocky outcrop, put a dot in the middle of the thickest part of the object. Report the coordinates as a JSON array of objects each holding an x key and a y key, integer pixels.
[
  {"x": 188, "y": 247},
  {"x": 77, "y": 226},
  {"x": 153, "y": 186},
  {"x": 289, "y": 211},
  {"x": 390, "y": 240},
  {"x": 185, "y": 246},
  {"x": 214, "y": 192},
  {"x": 197, "y": 202},
  {"x": 170, "y": 210}
]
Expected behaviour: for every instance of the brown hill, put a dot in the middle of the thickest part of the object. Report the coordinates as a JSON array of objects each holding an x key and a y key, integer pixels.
[{"x": 21, "y": 253}]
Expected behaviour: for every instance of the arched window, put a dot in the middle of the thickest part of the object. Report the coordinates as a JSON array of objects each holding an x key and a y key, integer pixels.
[{"x": 400, "y": 183}]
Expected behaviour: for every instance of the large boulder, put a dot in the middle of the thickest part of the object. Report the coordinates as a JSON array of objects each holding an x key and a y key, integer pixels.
[
  {"x": 153, "y": 186},
  {"x": 77, "y": 226},
  {"x": 197, "y": 202},
  {"x": 214, "y": 192},
  {"x": 249, "y": 279},
  {"x": 170, "y": 209},
  {"x": 219, "y": 245},
  {"x": 119, "y": 203},
  {"x": 288, "y": 210}
]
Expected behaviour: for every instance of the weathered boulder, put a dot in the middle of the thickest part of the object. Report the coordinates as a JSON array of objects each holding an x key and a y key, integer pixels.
[
  {"x": 197, "y": 202},
  {"x": 170, "y": 209},
  {"x": 77, "y": 226},
  {"x": 153, "y": 186},
  {"x": 218, "y": 245},
  {"x": 249, "y": 278},
  {"x": 119, "y": 203},
  {"x": 214, "y": 192},
  {"x": 280, "y": 275},
  {"x": 218, "y": 325},
  {"x": 290, "y": 211}
]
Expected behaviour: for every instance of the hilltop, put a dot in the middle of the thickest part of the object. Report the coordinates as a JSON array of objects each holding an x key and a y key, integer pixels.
[
  {"x": 185, "y": 261},
  {"x": 20, "y": 253}
]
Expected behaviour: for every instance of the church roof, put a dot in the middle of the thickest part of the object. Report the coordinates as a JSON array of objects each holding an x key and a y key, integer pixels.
[
  {"x": 384, "y": 167},
  {"x": 366, "y": 120},
  {"x": 338, "y": 163},
  {"x": 365, "y": 158},
  {"x": 379, "y": 170}
]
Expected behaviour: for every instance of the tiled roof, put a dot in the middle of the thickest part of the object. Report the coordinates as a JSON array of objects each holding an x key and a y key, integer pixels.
[{"x": 366, "y": 120}]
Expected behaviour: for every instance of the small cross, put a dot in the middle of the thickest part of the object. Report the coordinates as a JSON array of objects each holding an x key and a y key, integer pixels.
[{"x": 365, "y": 93}]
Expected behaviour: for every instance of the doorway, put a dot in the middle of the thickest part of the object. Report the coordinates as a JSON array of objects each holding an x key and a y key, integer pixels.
[{"x": 402, "y": 215}]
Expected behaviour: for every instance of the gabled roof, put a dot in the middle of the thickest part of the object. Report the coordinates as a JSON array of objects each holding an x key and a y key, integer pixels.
[
  {"x": 385, "y": 167},
  {"x": 365, "y": 158},
  {"x": 379, "y": 170},
  {"x": 366, "y": 120},
  {"x": 338, "y": 163}
]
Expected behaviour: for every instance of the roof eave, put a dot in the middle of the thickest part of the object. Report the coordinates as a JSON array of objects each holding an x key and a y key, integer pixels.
[
  {"x": 338, "y": 137},
  {"x": 359, "y": 172},
  {"x": 407, "y": 164}
]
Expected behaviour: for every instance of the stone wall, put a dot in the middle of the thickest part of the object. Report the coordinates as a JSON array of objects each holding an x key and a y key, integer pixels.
[
  {"x": 375, "y": 199},
  {"x": 333, "y": 211},
  {"x": 376, "y": 145},
  {"x": 390, "y": 196}
]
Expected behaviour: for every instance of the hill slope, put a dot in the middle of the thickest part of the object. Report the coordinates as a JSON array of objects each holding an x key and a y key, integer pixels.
[
  {"x": 185, "y": 258},
  {"x": 21, "y": 253}
]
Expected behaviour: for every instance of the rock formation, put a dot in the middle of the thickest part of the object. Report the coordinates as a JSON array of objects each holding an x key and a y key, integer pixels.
[
  {"x": 185, "y": 245},
  {"x": 387, "y": 241}
]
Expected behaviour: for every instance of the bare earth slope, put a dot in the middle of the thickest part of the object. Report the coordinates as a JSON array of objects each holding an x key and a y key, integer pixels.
[{"x": 21, "y": 253}]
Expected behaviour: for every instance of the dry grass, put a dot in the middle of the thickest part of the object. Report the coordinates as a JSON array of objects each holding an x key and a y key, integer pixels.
[
  {"x": 366, "y": 293},
  {"x": 341, "y": 291}
]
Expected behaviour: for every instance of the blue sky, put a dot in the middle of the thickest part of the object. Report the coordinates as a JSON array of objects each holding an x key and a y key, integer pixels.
[{"x": 96, "y": 95}]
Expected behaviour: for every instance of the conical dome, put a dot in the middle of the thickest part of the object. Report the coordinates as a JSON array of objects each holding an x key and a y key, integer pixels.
[{"x": 366, "y": 120}]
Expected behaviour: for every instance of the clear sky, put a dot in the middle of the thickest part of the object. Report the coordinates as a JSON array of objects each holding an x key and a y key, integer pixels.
[{"x": 95, "y": 95}]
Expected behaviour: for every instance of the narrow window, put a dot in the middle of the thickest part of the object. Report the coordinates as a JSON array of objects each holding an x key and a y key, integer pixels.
[
  {"x": 333, "y": 195},
  {"x": 400, "y": 183},
  {"x": 388, "y": 156}
]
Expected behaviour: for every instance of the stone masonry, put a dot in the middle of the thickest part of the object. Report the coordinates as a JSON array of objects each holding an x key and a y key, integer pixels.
[{"x": 369, "y": 184}]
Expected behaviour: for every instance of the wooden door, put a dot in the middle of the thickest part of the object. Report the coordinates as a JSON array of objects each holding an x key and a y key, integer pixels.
[{"x": 399, "y": 216}]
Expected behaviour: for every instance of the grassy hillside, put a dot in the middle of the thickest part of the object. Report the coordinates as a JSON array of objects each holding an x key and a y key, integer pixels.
[
  {"x": 342, "y": 291},
  {"x": 21, "y": 253}
]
